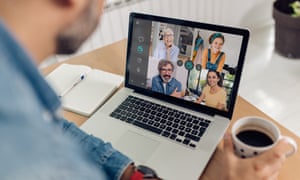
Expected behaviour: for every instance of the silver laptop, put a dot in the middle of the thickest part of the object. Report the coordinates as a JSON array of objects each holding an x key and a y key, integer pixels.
[{"x": 174, "y": 135}]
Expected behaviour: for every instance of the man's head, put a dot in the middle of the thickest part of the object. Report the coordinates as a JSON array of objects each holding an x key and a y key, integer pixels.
[
  {"x": 47, "y": 27},
  {"x": 168, "y": 37},
  {"x": 165, "y": 69},
  {"x": 71, "y": 38}
]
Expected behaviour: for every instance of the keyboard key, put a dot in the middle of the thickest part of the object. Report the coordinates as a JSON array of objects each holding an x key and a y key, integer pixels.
[
  {"x": 192, "y": 145},
  {"x": 181, "y": 133},
  {"x": 169, "y": 128},
  {"x": 163, "y": 121},
  {"x": 173, "y": 136},
  {"x": 156, "y": 124},
  {"x": 162, "y": 126},
  {"x": 188, "y": 130},
  {"x": 181, "y": 127},
  {"x": 204, "y": 124},
  {"x": 183, "y": 123},
  {"x": 175, "y": 131},
  {"x": 145, "y": 126},
  {"x": 194, "y": 132},
  {"x": 186, "y": 141},
  {"x": 192, "y": 137},
  {"x": 166, "y": 134},
  {"x": 178, "y": 140}
]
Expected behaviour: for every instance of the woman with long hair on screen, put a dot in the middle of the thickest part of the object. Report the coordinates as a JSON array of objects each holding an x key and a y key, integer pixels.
[{"x": 213, "y": 94}]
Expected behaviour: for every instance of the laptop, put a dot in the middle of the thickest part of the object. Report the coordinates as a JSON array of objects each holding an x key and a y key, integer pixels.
[{"x": 174, "y": 135}]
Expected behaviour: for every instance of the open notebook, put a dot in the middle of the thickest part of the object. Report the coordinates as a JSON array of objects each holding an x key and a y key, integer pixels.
[{"x": 81, "y": 88}]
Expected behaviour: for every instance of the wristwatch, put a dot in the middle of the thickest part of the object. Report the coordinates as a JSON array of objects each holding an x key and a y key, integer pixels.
[{"x": 143, "y": 172}]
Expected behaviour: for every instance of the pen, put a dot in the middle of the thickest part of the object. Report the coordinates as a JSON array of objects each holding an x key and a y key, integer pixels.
[{"x": 80, "y": 78}]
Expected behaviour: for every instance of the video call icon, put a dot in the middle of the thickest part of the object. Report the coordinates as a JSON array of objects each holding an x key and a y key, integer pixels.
[
  {"x": 140, "y": 49},
  {"x": 189, "y": 65},
  {"x": 139, "y": 60},
  {"x": 198, "y": 67},
  {"x": 141, "y": 39},
  {"x": 179, "y": 63}
]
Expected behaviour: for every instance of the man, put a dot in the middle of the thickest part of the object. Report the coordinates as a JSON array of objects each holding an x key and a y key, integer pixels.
[
  {"x": 164, "y": 82},
  {"x": 166, "y": 49},
  {"x": 35, "y": 141}
]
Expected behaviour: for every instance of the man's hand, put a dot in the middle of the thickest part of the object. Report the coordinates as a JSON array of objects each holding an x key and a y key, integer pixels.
[
  {"x": 176, "y": 93},
  {"x": 225, "y": 165}
]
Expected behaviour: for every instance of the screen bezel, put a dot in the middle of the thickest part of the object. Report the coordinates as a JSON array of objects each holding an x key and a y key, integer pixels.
[{"x": 211, "y": 27}]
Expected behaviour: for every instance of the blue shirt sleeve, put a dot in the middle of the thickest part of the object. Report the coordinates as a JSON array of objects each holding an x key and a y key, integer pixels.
[
  {"x": 102, "y": 154},
  {"x": 36, "y": 144}
]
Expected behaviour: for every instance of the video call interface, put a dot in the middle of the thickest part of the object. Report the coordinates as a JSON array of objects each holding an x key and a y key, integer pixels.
[{"x": 189, "y": 63}]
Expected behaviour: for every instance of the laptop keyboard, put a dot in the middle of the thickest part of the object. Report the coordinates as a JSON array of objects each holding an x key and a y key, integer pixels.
[{"x": 176, "y": 125}]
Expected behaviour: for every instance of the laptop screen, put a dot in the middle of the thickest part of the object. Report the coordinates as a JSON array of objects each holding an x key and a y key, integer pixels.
[{"x": 191, "y": 64}]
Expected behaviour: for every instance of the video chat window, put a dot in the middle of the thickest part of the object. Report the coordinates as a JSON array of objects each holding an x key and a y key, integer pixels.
[
  {"x": 197, "y": 65},
  {"x": 194, "y": 64}
]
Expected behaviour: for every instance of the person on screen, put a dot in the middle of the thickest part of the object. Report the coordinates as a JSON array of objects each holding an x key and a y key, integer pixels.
[
  {"x": 166, "y": 49},
  {"x": 164, "y": 82},
  {"x": 213, "y": 58},
  {"x": 36, "y": 141},
  {"x": 213, "y": 93}
]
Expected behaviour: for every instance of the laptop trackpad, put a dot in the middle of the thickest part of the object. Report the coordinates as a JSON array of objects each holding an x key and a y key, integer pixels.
[{"x": 136, "y": 146}]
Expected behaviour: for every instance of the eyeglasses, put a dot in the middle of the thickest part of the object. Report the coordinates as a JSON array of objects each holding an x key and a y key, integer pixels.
[
  {"x": 165, "y": 70},
  {"x": 168, "y": 35}
]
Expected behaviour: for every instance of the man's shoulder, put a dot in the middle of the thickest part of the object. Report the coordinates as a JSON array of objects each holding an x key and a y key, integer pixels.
[
  {"x": 175, "y": 81},
  {"x": 156, "y": 78}
]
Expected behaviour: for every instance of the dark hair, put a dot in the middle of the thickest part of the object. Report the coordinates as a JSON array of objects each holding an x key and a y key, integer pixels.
[
  {"x": 163, "y": 63},
  {"x": 220, "y": 82},
  {"x": 214, "y": 36}
]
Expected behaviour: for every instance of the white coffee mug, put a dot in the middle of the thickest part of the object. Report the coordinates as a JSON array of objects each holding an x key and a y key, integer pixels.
[{"x": 253, "y": 135}]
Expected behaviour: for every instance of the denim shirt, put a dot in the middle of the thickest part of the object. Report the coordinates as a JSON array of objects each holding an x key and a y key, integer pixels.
[
  {"x": 35, "y": 141},
  {"x": 157, "y": 85}
]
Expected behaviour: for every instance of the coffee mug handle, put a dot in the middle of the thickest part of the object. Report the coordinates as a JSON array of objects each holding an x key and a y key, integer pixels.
[{"x": 293, "y": 143}]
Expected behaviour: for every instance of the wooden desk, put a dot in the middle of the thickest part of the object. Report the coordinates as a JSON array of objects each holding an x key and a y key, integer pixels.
[{"x": 112, "y": 58}]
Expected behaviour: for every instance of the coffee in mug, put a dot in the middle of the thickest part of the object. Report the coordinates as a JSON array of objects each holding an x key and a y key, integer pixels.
[
  {"x": 254, "y": 135},
  {"x": 255, "y": 138}
]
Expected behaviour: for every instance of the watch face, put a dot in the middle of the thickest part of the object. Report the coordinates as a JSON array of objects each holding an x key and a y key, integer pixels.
[{"x": 147, "y": 172}]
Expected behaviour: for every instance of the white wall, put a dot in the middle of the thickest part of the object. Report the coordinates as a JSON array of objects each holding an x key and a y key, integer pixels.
[{"x": 114, "y": 22}]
